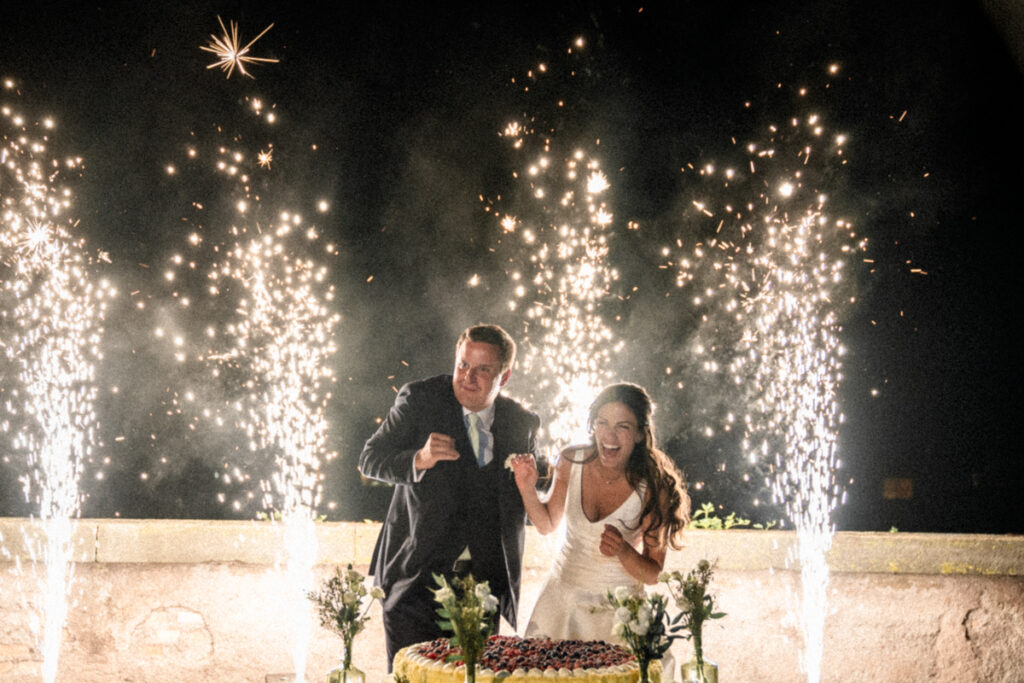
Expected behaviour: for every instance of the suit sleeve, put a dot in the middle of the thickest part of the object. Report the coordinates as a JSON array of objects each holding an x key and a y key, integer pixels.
[{"x": 388, "y": 455}]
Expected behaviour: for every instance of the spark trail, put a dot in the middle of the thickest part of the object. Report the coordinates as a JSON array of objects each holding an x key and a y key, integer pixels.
[
  {"x": 769, "y": 280},
  {"x": 51, "y": 318}
]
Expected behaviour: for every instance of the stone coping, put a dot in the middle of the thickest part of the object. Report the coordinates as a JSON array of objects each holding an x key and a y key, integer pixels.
[{"x": 163, "y": 541}]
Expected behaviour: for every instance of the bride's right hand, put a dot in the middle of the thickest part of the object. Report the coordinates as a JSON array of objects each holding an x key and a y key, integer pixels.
[{"x": 524, "y": 467}]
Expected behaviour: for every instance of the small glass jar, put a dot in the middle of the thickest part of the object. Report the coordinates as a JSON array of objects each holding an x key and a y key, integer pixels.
[
  {"x": 691, "y": 673},
  {"x": 345, "y": 672},
  {"x": 341, "y": 674}
]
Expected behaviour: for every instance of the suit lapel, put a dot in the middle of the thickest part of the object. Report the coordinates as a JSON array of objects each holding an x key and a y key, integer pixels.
[
  {"x": 499, "y": 429},
  {"x": 500, "y": 447}
]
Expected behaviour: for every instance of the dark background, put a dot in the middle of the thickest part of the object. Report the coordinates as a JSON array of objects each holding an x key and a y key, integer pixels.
[{"x": 404, "y": 105}]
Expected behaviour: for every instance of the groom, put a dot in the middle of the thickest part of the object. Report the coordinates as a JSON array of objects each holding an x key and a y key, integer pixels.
[{"x": 443, "y": 446}]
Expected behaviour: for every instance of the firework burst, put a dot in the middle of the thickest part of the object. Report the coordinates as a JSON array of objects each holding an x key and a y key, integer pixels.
[{"x": 230, "y": 55}]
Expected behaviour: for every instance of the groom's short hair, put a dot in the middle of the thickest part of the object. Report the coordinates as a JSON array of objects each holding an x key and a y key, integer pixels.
[{"x": 495, "y": 336}]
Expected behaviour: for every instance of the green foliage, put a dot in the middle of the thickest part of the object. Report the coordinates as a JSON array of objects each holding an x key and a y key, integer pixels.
[
  {"x": 705, "y": 518},
  {"x": 695, "y": 604},
  {"x": 641, "y": 619},
  {"x": 466, "y": 609},
  {"x": 640, "y": 623},
  {"x": 275, "y": 516},
  {"x": 343, "y": 607}
]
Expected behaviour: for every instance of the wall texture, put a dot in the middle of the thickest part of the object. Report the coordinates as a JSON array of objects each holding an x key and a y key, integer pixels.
[{"x": 204, "y": 601}]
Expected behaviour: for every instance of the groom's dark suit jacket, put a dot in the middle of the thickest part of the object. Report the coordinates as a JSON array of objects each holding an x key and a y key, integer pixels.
[{"x": 431, "y": 521}]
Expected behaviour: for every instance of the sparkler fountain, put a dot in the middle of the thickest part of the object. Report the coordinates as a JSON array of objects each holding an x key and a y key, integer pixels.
[
  {"x": 281, "y": 343},
  {"x": 565, "y": 279},
  {"x": 568, "y": 278},
  {"x": 771, "y": 289},
  {"x": 51, "y": 317},
  {"x": 271, "y": 356}
]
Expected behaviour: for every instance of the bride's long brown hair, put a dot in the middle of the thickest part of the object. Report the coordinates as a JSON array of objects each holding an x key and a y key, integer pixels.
[{"x": 667, "y": 504}]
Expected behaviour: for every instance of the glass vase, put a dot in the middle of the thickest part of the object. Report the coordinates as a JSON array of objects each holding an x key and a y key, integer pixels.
[
  {"x": 470, "y": 673},
  {"x": 343, "y": 674},
  {"x": 645, "y": 666},
  {"x": 691, "y": 672}
]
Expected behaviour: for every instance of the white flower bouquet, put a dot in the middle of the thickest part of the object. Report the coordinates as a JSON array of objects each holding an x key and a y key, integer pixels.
[
  {"x": 640, "y": 624},
  {"x": 696, "y": 606},
  {"x": 343, "y": 606},
  {"x": 468, "y": 610}
]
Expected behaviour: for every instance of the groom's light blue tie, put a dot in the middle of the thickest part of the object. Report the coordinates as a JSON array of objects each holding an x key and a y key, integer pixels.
[{"x": 476, "y": 439}]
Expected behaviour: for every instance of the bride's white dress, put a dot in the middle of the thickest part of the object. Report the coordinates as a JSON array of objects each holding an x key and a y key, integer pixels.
[{"x": 572, "y": 603}]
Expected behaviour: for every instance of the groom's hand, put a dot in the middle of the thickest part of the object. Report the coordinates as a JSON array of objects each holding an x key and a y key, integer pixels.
[{"x": 439, "y": 447}]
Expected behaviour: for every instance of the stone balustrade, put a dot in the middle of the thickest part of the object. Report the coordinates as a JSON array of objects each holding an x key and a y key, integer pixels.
[{"x": 197, "y": 601}]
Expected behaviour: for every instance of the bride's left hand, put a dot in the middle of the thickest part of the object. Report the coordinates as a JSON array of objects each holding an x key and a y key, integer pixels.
[{"x": 612, "y": 542}]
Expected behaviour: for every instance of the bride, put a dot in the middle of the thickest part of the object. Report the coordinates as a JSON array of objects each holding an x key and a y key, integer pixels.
[{"x": 624, "y": 503}]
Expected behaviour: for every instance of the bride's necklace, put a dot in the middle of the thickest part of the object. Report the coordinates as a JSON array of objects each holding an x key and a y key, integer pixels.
[{"x": 606, "y": 480}]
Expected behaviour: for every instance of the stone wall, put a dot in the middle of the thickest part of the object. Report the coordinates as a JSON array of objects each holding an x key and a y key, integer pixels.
[{"x": 203, "y": 601}]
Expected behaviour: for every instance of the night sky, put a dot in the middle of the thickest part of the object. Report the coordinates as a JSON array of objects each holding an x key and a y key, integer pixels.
[{"x": 392, "y": 116}]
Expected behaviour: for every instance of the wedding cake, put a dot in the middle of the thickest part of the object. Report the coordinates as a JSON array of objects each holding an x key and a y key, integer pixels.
[{"x": 524, "y": 660}]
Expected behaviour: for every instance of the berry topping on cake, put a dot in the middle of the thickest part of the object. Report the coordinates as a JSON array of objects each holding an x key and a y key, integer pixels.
[{"x": 508, "y": 653}]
